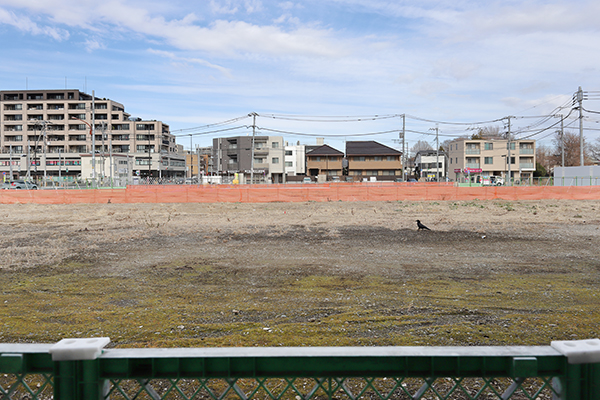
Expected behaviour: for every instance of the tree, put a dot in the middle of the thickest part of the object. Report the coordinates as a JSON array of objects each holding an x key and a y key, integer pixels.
[
  {"x": 544, "y": 157},
  {"x": 488, "y": 132},
  {"x": 572, "y": 150},
  {"x": 539, "y": 170},
  {"x": 420, "y": 145},
  {"x": 595, "y": 151}
]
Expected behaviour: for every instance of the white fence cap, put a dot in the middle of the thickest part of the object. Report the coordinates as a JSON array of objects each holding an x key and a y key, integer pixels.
[
  {"x": 78, "y": 349},
  {"x": 579, "y": 351}
]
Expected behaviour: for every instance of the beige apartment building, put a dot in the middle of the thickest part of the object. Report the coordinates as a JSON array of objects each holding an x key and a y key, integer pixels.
[
  {"x": 49, "y": 130},
  {"x": 484, "y": 158}
]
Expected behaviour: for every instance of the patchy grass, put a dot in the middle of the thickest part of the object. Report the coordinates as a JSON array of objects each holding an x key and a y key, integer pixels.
[
  {"x": 169, "y": 306},
  {"x": 308, "y": 274}
]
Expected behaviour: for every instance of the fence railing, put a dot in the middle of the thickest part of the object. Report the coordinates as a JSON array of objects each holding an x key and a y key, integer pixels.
[{"x": 566, "y": 370}]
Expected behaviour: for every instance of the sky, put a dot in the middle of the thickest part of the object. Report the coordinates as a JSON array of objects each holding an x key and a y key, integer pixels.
[{"x": 338, "y": 69}]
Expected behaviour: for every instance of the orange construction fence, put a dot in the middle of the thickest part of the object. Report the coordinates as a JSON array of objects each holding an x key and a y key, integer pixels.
[{"x": 296, "y": 193}]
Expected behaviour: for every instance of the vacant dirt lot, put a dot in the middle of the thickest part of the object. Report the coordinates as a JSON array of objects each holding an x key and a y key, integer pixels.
[{"x": 336, "y": 273}]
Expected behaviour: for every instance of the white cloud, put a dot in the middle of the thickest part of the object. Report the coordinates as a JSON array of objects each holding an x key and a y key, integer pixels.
[
  {"x": 185, "y": 60},
  {"x": 93, "y": 44},
  {"x": 25, "y": 24},
  {"x": 221, "y": 36}
]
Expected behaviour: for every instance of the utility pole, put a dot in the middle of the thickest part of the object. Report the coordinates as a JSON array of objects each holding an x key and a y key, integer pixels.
[
  {"x": 562, "y": 140},
  {"x": 508, "y": 158},
  {"x": 252, "y": 147},
  {"x": 191, "y": 161},
  {"x": 437, "y": 153},
  {"x": 580, "y": 101},
  {"x": 404, "y": 159},
  {"x": 10, "y": 164},
  {"x": 94, "y": 186}
]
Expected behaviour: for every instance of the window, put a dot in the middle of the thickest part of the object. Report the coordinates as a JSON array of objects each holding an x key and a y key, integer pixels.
[
  {"x": 144, "y": 127},
  {"x": 289, "y": 164},
  {"x": 489, "y": 160},
  {"x": 274, "y": 145},
  {"x": 377, "y": 158},
  {"x": 359, "y": 158},
  {"x": 332, "y": 158},
  {"x": 288, "y": 153},
  {"x": 450, "y": 160},
  {"x": 391, "y": 158},
  {"x": 489, "y": 146},
  {"x": 259, "y": 160},
  {"x": 512, "y": 160},
  {"x": 100, "y": 106},
  {"x": 512, "y": 146},
  {"x": 275, "y": 160}
]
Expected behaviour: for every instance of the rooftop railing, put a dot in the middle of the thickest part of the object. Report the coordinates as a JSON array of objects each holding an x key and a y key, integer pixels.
[{"x": 82, "y": 369}]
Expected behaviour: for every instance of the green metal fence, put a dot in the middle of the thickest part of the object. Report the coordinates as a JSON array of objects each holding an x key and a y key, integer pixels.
[{"x": 28, "y": 371}]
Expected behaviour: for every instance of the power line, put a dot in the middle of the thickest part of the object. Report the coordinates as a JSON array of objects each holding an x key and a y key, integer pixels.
[
  {"x": 229, "y": 121},
  {"x": 328, "y": 135},
  {"x": 211, "y": 132}
]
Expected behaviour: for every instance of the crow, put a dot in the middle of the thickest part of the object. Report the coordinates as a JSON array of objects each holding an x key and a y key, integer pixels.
[{"x": 421, "y": 226}]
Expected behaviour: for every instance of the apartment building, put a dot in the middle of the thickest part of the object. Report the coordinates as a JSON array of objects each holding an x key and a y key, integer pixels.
[
  {"x": 431, "y": 165},
  {"x": 258, "y": 159},
  {"x": 483, "y": 158},
  {"x": 373, "y": 160},
  {"x": 49, "y": 130},
  {"x": 295, "y": 160},
  {"x": 324, "y": 161}
]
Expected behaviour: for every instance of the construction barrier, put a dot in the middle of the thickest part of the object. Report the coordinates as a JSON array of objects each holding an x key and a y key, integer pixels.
[{"x": 296, "y": 193}]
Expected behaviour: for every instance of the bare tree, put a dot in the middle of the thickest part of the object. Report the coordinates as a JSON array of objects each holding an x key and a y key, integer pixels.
[
  {"x": 572, "y": 150},
  {"x": 595, "y": 151},
  {"x": 488, "y": 132},
  {"x": 420, "y": 145}
]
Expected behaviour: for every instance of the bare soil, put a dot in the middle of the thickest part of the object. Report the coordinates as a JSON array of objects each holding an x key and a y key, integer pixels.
[{"x": 335, "y": 273}]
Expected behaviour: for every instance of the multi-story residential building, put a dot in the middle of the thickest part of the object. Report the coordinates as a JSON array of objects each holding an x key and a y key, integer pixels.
[
  {"x": 295, "y": 160},
  {"x": 45, "y": 127},
  {"x": 324, "y": 161},
  {"x": 259, "y": 159},
  {"x": 431, "y": 165},
  {"x": 373, "y": 160},
  {"x": 483, "y": 158},
  {"x": 199, "y": 162}
]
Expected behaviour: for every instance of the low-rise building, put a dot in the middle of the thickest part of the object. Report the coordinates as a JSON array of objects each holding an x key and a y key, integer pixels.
[
  {"x": 373, "y": 160},
  {"x": 295, "y": 160},
  {"x": 484, "y": 158},
  {"x": 431, "y": 165},
  {"x": 255, "y": 159},
  {"x": 324, "y": 161}
]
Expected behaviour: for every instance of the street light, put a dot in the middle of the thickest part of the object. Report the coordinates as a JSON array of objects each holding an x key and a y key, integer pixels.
[{"x": 93, "y": 149}]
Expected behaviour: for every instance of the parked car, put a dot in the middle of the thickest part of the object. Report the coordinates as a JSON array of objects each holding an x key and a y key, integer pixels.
[
  {"x": 20, "y": 184},
  {"x": 307, "y": 179}
]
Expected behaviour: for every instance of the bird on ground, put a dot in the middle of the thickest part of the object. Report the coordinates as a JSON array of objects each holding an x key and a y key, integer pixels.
[{"x": 421, "y": 226}]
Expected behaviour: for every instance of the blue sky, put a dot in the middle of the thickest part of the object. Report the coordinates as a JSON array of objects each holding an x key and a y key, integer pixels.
[{"x": 194, "y": 64}]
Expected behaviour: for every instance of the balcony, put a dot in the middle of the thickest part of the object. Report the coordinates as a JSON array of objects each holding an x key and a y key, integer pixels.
[
  {"x": 472, "y": 151},
  {"x": 525, "y": 166},
  {"x": 473, "y": 165},
  {"x": 526, "y": 151}
]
